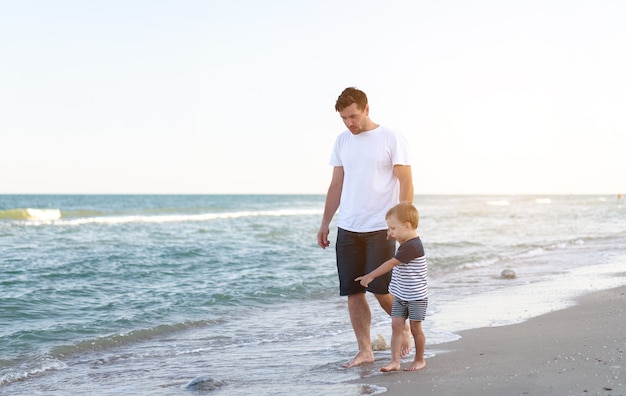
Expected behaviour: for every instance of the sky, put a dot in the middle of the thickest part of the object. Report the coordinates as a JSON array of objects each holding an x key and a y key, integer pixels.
[{"x": 236, "y": 96}]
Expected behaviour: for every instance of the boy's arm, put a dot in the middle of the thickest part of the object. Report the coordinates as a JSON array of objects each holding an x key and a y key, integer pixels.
[{"x": 382, "y": 269}]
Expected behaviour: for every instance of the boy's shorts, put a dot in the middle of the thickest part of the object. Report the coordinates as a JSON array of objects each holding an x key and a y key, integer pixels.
[
  {"x": 414, "y": 310},
  {"x": 359, "y": 253}
]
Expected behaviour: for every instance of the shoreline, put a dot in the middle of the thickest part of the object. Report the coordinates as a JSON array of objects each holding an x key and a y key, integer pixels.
[{"x": 577, "y": 350}]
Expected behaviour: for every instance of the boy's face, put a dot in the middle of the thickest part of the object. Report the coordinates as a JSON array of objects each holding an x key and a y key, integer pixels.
[{"x": 402, "y": 232}]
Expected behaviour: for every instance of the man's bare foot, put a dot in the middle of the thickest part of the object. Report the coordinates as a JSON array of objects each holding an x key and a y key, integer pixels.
[
  {"x": 390, "y": 367},
  {"x": 360, "y": 358},
  {"x": 407, "y": 343},
  {"x": 416, "y": 366}
]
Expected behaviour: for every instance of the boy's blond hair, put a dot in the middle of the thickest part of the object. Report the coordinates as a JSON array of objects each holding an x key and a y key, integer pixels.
[{"x": 405, "y": 213}]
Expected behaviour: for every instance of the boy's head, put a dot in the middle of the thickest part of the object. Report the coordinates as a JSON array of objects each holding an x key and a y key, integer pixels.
[{"x": 405, "y": 213}]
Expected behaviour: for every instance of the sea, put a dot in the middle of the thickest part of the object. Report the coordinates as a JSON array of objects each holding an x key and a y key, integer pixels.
[{"x": 231, "y": 295}]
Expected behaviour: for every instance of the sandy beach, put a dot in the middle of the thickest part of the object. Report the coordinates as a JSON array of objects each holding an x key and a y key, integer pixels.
[{"x": 576, "y": 351}]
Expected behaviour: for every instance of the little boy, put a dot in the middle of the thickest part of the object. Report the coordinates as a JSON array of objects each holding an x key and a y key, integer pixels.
[{"x": 408, "y": 284}]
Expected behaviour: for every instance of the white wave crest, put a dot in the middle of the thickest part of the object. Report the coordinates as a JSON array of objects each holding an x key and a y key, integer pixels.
[
  {"x": 180, "y": 217},
  {"x": 42, "y": 367},
  {"x": 43, "y": 214}
]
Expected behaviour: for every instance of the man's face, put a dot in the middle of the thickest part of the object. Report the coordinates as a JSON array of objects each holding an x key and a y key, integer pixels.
[{"x": 354, "y": 118}]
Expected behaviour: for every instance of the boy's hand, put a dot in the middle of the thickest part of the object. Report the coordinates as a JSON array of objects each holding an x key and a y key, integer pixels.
[{"x": 364, "y": 280}]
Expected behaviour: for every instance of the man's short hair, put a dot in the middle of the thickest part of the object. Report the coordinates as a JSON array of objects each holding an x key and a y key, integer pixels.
[{"x": 351, "y": 95}]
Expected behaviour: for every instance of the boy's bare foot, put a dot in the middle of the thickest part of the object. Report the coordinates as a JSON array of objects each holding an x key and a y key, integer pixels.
[
  {"x": 390, "y": 367},
  {"x": 360, "y": 358},
  {"x": 407, "y": 343},
  {"x": 416, "y": 366}
]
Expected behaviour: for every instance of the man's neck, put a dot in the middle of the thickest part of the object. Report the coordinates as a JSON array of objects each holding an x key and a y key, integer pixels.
[{"x": 370, "y": 126}]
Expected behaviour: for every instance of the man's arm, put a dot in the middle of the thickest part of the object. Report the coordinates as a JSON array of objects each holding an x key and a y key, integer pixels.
[
  {"x": 405, "y": 177},
  {"x": 333, "y": 198}
]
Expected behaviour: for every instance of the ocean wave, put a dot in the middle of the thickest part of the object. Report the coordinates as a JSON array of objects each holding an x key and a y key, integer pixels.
[
  {"x": 38, "y": 368},
  {"x": 50, "y": 219},
  {"x": 30, "y": 214},
  {"x": 131, "y": 337}
]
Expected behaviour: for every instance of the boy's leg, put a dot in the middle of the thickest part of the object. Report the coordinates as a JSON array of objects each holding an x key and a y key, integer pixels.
[
  {"x": 397, "y": 336},
  {"x": 420, "y": 346},
  {"x": 386, "y": 301}
]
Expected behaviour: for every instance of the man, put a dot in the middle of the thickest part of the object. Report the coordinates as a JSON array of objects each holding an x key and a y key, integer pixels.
[{"x": 371, "y": 174}]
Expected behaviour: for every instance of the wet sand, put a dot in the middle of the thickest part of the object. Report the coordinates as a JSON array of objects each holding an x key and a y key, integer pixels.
[{"x": 580, "y": 350}]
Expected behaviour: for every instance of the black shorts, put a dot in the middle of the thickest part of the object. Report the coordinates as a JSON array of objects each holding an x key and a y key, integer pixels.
[{"x": 359, "y": 253}]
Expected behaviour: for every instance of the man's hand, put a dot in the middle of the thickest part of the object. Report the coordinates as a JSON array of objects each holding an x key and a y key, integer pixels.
[{"x": 322, "y": 237}]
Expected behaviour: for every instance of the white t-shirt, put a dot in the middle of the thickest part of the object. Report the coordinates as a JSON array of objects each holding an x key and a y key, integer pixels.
[{"x": 370, "y": 188}]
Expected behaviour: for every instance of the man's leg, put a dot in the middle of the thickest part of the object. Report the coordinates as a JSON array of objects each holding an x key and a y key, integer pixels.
[
  {"x": 385, "y": 301},
  {"x": 361, "y": 318},
  {"x": 350, "y": 264}
]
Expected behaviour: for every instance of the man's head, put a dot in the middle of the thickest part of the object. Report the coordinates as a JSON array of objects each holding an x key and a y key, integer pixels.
[
  {"x": 354, "y": 110},
  {"x": 351, "y": 95}
]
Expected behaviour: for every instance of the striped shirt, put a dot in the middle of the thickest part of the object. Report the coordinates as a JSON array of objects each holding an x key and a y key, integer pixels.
[{"x": 408, "y": 279}]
